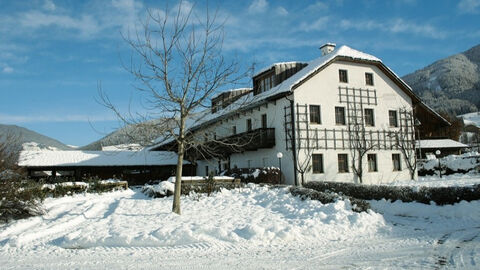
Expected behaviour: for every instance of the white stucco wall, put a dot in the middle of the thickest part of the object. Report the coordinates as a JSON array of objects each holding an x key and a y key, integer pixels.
[{"x": 322, "y": 89}]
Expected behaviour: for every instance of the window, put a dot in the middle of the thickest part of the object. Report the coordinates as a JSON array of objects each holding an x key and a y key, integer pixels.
[
  {"x": 342, "y": 163},
  {"x": 343, "y": 76},
  {"x": 260, "y": 86},
  {"x": 340, "y": 115},
  {"x": 206, "y": 170},
  {"x": 234, "y": 130},
  {"x": 396, "y": 162},
  {"x": 267, "y": 83},
  {"x": 264, "y": 120},
  {"x": 369, "y": 118},
  {"x": 369, "y": 78},
  {"x": 372, "y": 162},
  {"x": 392, "y": 118},
  {"x": 317, "y": 163},
  {"x": 249, "y": 124},
  {"x": 315, "y": 114}
]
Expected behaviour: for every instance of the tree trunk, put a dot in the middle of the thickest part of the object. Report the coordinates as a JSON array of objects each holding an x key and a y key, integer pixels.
[
  {"x": 360, "y": 169},
  {"x": 178, "y": 180}
]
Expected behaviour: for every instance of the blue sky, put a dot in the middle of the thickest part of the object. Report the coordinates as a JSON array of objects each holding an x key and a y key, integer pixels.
[{"x": 54, "y": 53}]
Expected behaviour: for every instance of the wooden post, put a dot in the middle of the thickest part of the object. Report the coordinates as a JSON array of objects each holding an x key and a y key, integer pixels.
[{"x": 326, "y": 144}]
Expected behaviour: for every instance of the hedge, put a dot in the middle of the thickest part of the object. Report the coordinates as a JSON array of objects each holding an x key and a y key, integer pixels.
[
  {"x": 329, "y": 197},
  {"x": 439, "y": 195}
]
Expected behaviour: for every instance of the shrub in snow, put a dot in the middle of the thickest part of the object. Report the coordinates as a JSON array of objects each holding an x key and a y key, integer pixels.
[
  {"x": 99, "y": 186},
  {"x": 358, "y": 205},
  {"x": 94, "y": 185},
  {"x": 210, "y": 184},
  {"x": 266, "y": 175},
  {"x": 162, "y": 189},
  {"x": 196, "y": 184},
  {"x": 19, "y": 198},
  {"x": 439, "y": 195}
]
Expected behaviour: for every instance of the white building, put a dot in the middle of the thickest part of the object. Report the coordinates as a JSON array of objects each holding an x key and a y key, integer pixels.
[{"x": 321, "y": 115}]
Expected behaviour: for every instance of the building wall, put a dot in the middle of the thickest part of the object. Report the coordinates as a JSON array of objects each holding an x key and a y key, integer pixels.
[
  {"x": 261, "y": 157},
  {"x": 322, "y": 89}
]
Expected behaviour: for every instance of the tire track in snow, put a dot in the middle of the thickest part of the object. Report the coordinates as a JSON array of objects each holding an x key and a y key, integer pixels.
[
  {"x": 452, "y": 248},
  {"x": 59, "y": 225}
]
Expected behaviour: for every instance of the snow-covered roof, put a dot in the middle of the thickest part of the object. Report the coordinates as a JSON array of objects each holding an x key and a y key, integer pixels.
[
  {"x": 471, "y": 118},
  {"x": 231, "y": 90},
  {"x": 273, "y": 65},
  {"x": 440, "y": 143},
  {"x": 123, "y": 147},
  {"x": 251, "y": 100},
  {"x": 96, "y": 158}
]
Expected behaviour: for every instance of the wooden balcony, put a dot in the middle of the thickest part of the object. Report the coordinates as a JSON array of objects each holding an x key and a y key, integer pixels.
[
  {"x": 238, "y": 143},
  {"x": 223, "y": 147}
]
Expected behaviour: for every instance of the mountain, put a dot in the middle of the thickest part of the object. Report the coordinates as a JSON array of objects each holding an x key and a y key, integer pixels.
[
  {"x": 130, "y": 136},
  {"x": 31, "y": 140},
  {"x": 451, "y": 84}
]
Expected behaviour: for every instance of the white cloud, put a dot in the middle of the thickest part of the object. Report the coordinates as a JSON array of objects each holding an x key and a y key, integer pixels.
[
  {"x": 49, "y": 5},
  {"x": 7, "y": 69},
  {"x": 258, "y": 6},
  {"x": 469, "y": 6},
  {"x": 15, "y": 119},
  {"x": 402, "y": 26},
  {"x": 317, "y": 6},
  {"x": 395, "y": 26},
  {"x": 317, "y": 25},
  {"x": 281, "y": 11},
  {"x": 86, "y": 25}
]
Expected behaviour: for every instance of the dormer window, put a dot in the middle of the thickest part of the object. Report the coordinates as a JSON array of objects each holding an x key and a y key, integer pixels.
[
  {"x": 265, "y": 83},
  {"x": 274, "y": 75}
]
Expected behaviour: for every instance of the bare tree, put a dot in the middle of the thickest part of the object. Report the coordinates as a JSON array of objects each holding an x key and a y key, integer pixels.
[
  {"x": 177, "y": 59},
  {"x": 359, "y": 139},
  {"x": 405, "y": 141},
  {"x": 10, "y": 148},
  {"x": 360, "y": 144},
  {"x": 300, "y": 142}
]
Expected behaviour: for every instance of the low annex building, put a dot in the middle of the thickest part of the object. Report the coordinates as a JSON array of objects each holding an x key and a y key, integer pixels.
[
  {"x": 344, "y": 116},
  {"x": 136, "y": 167},
  {"x": 445, "y": 146}
]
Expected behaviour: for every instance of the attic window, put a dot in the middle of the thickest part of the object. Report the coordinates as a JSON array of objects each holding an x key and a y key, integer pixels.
[
  {"x": 368, "y": 78},
  {"x": 343, "y": 76}
]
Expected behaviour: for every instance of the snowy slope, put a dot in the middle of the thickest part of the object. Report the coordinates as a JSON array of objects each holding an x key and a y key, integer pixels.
[
  {"x": 249, "y": 228},
  {"x": 471, "y": 118},
  {"x": 32, "y": 140}
]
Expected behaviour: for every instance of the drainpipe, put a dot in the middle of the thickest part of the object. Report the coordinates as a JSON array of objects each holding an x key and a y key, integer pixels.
[{"x": 294, "y": 149}]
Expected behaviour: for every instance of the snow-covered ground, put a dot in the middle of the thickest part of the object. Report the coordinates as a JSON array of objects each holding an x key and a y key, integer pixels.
[{"x": 249, "y": 228}]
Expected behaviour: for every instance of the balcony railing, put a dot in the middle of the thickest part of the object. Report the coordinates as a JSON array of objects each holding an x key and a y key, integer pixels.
[{"x": 223, "y": 147}]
